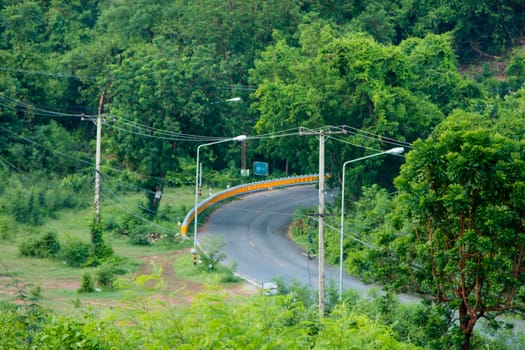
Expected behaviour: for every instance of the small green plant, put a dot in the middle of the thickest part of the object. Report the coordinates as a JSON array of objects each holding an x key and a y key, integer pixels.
[
  {"x": 137, "y": 236},
  {"x": 105, "y": 275},
  {"x": 76, "y": 303},
  {"x": 230, "y": 277},
  {"x": 87, "y": 285},
  {"x": 212, "y": 253},
  {"x": 6, "y": 228}
]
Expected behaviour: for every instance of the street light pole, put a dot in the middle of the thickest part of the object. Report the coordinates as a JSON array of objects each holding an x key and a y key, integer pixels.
[
  {"x": 393, "y": 151},
  {"x": 237, "y": 138}
]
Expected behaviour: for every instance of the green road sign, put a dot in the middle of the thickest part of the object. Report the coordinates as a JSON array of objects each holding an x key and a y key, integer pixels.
[{"x": 260, "y": 168}]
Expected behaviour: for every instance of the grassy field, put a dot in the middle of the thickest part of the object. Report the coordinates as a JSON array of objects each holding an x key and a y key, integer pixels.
[{"x": 58, "y": 283}]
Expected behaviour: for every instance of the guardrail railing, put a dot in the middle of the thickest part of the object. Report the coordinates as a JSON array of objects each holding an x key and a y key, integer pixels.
[{"x": 243, "y": 189}]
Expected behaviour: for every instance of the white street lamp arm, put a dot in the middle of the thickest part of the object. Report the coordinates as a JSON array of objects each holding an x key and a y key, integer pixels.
[
  {"x": 393, "y": 151},
  {"x": 236, "y": 138}
]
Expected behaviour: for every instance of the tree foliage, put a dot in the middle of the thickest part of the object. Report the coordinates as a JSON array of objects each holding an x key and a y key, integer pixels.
[
  {"x": 390, "y": 69},
  {"x": 350, "y": 79},
  {"x": 462, "y": 191}
]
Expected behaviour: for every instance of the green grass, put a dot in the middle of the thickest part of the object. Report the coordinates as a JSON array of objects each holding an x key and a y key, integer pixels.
[
  {"x": 185, "y": 269},
  {"x": 59, "y": 282}
]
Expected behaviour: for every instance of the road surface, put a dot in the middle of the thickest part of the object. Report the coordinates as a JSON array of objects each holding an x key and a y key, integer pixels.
[{"x": 255, "y": 227}]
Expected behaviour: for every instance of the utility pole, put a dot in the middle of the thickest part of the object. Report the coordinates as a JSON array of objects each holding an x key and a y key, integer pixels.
[
  {"x": 321, "y": 224},
  {"x": 321, "y": 134},
  {"x": 97, "y": 160}
]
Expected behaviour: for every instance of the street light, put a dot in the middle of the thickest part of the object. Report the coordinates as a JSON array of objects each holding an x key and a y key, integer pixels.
[
  {"x": 393, "y": 151},
  {"x": 233, "y": 99},
  {"x": 237, "y": 138}
]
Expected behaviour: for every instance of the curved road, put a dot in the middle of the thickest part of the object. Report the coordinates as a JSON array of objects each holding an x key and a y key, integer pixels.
[{"x": 255, "y": 230}]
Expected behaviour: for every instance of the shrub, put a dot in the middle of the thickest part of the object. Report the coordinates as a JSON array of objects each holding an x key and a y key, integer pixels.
[
  {"x": 24, "y": 205},
  {"x": 214, "y": 254},
  {"x": 101, "y": 251},
  {"x": 6, "y": 228},
  {"x": 139, "y": 236},
  {"x": 105, "y": 275},
  {"x": 87, "y": 285},
  {"x": 76, "y": 253},
  {"x": 46, "y": 246},
  {"x": 135, "y": 230}
]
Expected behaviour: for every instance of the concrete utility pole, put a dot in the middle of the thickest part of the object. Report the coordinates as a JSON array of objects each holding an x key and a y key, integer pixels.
[
  {"x": 321, "y": 224},
  {"x": 321, "y": 133},
  {"x": 97, "y": 160}
]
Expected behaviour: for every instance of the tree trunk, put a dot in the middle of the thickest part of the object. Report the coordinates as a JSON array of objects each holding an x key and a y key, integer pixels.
[
  {"x": 466, "y": 342},
  {"x": 466, "y": 325}
]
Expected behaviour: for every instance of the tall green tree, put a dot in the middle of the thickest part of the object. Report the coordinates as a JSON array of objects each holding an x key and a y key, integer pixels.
[
  {"x": 333, "y": 78},
  {"x": 462, "y": 191},
  {"x": 161, "y": 98},
  {"x": 480, "y": 28}
]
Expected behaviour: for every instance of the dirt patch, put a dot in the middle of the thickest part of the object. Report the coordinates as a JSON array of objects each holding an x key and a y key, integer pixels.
[
  {"x": 180, "y": 286},
  {"x": 176, "y": 290}
]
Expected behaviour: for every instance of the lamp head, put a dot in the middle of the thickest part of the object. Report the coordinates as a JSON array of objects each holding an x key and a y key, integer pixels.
[
  {"x": 239, "y": 138},
  {"x": 395, "y": 151},
  {"x": 233, "y": 99}
]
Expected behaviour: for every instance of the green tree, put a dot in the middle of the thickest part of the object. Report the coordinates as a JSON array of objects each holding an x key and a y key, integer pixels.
[
  {"x": 462, "y": 192},
  {"x": 349, "y": 79},
  {"x": 480, "y": 28},
  {"x": 162, "y": 99}
]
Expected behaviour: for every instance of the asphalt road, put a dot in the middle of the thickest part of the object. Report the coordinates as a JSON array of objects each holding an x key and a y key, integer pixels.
[{"x": 255, "y": 228}]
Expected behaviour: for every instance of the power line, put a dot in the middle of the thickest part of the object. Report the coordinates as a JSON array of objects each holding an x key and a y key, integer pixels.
[
  {"x": 44, "y": 147},
  {"x": 54, "y": 75},
  {"x": 130, "y": 186},
  {"x": 79, "y": 160},
  {"x": 119, "y": 202},
  {"x": 348, "y": 130},
  {"x": 20, "y": 106},
  {"x": 94, "y": 78},
  {"x": 173, "y": 136}
]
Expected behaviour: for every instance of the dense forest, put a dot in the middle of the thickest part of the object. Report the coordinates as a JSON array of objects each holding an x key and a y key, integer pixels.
[{"x": 445, "y": 80}]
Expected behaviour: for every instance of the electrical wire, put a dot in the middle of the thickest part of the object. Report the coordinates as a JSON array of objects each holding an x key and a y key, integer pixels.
[
  {"x": 117, "y": 200},
  {"x": 20, "y": 106},
  {"x": 46, "y": 148},
  {"x": 78, "y": 160},
  {"x": 130, "y": 186},
  {"x": 94, "y": 78},
  {"x": 142, "y": 128},
  {"x": 330, "y": 131},
  {"x": 178, "y": 137},
  {"x": 8, "y": 164},
  {"x": 54, "y": 75}
]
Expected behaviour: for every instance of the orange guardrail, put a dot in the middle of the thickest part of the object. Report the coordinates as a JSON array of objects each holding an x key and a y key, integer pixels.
[{"x": 243, "y": 189}]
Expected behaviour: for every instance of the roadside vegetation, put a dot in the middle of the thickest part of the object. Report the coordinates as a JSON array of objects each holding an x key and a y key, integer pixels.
[{"x": 444, "y": 80}]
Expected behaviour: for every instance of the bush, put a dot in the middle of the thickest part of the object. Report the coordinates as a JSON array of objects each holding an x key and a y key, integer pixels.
[
  {"x": 105, "y": 275},
  {"x": 25, "y": 205},
  {"x": 214, "y": 254},
  {"x": 135, "y": 230},
  {"x": 76, "y": 253},
  {"x": 87, "y": 285},
  {"x": 46, "y": 246},
  {"x": 101, "y": 251},
  {"x": 139, "y": 237},
  {"x": 6, "y": 228}
]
